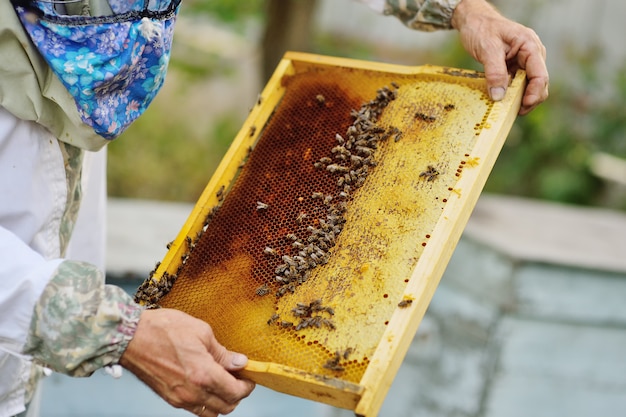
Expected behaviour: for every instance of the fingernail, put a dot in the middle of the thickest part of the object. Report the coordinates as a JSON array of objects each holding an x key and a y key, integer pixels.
[
  {"x": 497, "y": 93},
  {"x": 239, "y": 360}
]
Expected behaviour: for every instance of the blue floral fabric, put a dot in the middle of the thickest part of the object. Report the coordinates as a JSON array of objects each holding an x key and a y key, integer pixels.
[{"x": 113, "y": 66}]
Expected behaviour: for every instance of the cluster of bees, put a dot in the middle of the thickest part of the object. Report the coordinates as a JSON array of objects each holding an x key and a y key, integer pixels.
[
  {"x": 334, "y": 363},
  {"x": 152, "y": 289},
  {"x": 350, "y": 162},
  {"x": 310, "y": 315}
]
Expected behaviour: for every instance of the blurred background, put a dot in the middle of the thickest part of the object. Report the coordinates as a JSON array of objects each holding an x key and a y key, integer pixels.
[
  {"x": 571, "y": 149},
  {"x": 529, "y": 317}
]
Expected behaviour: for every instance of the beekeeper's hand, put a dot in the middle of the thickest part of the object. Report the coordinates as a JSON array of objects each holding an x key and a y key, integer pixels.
[
  {"x": 503, "y": 46},
  {"x": 178, "y": 357}
]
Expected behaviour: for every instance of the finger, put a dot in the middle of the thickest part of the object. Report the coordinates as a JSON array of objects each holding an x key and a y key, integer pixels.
[
  {"x": 214, "y": 406},
  {"x": 226, "y": 386},
  {"x": 496, "y": 72},
  {"x": 535, "y": 94},
  {"x": 203, "y": 411},
  {"x": 538, "y": 84},
  {"x": 531, "y": 56},
  {"x": 231, "y": 361}
]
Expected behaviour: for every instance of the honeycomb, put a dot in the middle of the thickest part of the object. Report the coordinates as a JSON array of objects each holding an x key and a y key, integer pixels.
[{"x": 307, "y": 253}]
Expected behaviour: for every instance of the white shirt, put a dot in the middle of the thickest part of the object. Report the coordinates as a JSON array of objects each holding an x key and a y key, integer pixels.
[{"x": 32, "y": 203}]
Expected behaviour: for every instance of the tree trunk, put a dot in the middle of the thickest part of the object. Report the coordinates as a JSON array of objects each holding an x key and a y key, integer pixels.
[{"x": 287, "y": 28}]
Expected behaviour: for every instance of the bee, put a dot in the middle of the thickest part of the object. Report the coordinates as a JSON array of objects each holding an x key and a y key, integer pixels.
[
  {"x": 336, "y": 368},
  {"x": 395, "y": 131},
  {"x": 336, "y": 168},
  {"x": 304, "y": 323},
  {"x": 430, "y": 174},
  {"x": 333, "y": 363},
  {"x": 302, "y": 278},
  {"x": 289, "y": 261},
  {"x": 405, "y": 303},
  {"x": 320, "y": 99},
  {"x": 261, "y": 206},
  {"x": 259, "y": 99},
  {"x": 169, "y": 245},
  {"x": 301, "y": 217},
  {"x": 301, "y": 310},
  {"x": 273, "y": 319},
  {"x": 312, "y": 229},
  {"x": 316, "y": 195},
  {"x": 369, "y": 161},
  {"x": 363, "y": 150},
  {"x": 262, "y": 290},
  {"x": 449, "y": 107},
  {"x": 252, "y": 130},
  {"x": 270, "y": 251},
  {"x": 395, "y": 85},
  {"x": 425, "y": 117},
  {"x": 328, "y": 323},
  {"x": 356, "y": 160},
  {"x": 286, "y": 324},
  {"x": 281, "y": 291},
  {"x": 347, "y": 352},
  {"x": 339, "y": 139},
  {"x": 325, "y": 160},
  {"x": 282, "y": 280},
  {"x": 220, "y": 193},
  {"x": 190, "y": 243},
  {"x": 291, "y": 287}
]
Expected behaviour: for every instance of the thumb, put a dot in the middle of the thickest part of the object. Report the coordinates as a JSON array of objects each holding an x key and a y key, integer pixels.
[
  {"x": 235, "y": 361},
  {"x": 231, "y": 361},
  {"x": 496, "y": 74}
]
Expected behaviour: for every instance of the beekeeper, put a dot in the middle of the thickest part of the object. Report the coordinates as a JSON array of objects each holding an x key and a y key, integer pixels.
[{"x": 66, "y": 90}]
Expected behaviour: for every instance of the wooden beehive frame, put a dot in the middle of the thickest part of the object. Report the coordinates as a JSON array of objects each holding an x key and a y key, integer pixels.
[{"x": 366, "y": 397}]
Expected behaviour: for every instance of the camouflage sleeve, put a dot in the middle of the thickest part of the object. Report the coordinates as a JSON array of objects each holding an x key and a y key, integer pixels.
[
  {"x": 425, "y": 15},
  {"x": 80, "y": 324}
]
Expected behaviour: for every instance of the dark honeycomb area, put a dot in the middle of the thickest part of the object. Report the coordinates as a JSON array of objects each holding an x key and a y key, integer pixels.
[{"x": 280, "y": 218}]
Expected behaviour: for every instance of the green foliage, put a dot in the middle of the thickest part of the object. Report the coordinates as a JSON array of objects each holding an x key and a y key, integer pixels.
[
  {"x": 233, "y": 12},
  {"x": 548, "y": 152},
  {"x": 610, "y": 128},
  {"x": 333, "y": 45},
  {"x": 161, "y": 157},
  {"x": 546, "y": 157}
]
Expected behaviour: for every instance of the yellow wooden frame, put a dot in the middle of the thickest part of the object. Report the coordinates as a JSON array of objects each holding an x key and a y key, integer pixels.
[{"x": 366, "y": 397}]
